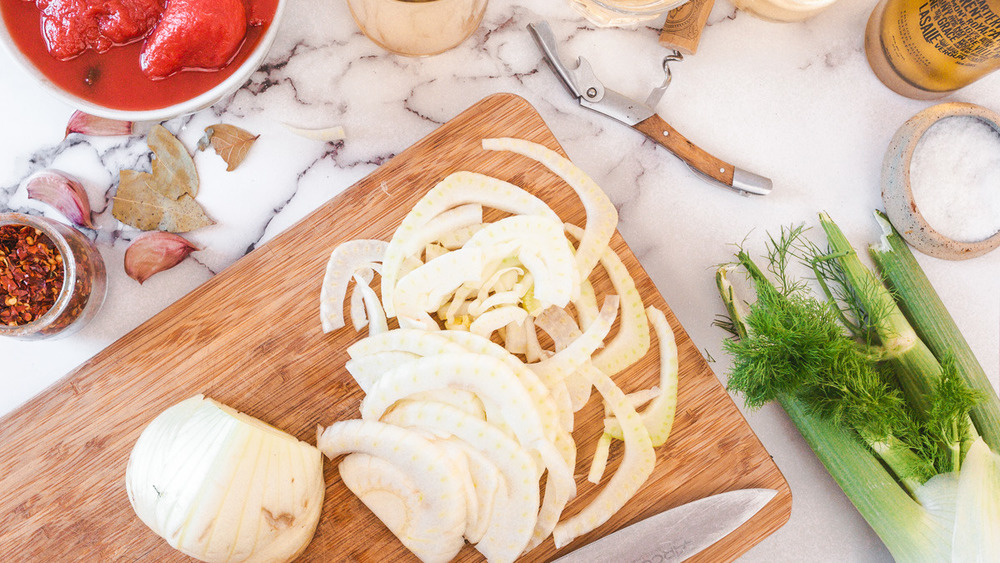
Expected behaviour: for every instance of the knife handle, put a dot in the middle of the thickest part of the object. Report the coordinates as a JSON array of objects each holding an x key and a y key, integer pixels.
[{"x": 719, "y": 170}]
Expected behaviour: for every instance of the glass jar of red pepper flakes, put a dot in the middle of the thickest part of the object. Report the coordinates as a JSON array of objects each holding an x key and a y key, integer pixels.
[{"x": 52, "y": 277}]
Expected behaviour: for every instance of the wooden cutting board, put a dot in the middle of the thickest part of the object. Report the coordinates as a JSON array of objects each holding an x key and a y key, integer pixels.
[{"x": 251, "y": 338}]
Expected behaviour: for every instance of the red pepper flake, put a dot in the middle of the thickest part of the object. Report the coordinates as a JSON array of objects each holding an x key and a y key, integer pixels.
[{"x": 31, "y": 274}]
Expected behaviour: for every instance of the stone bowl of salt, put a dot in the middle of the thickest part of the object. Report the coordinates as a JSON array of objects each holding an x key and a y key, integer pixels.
[{"x": 941, "y": 181}]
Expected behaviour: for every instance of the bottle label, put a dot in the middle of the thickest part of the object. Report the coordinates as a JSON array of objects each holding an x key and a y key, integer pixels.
[
  {"x": 966, "y": 31},
  {"x": 940, "y": 45}
]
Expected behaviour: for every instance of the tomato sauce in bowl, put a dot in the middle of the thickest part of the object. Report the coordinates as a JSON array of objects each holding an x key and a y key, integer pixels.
[{"x": 113, "y": 79}]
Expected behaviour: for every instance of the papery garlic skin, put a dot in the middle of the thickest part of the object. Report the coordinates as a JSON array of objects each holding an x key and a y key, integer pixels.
[
  {"x": 93, "y": 125},
  {"x": 221, "y": 486}
]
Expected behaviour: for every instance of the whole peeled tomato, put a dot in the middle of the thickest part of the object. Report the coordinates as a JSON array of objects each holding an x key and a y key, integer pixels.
[
  {"x": 194, "y": 34},
  {"x": 70, "y": 27}
]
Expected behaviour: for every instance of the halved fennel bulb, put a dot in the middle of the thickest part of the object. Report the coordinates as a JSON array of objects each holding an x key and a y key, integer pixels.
[{"x": 222, "y": 486}]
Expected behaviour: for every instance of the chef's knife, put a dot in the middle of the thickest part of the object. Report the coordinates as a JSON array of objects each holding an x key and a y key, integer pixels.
[
  {"x": 678, "y": 533},
  {"x": 591, "y": 93}
]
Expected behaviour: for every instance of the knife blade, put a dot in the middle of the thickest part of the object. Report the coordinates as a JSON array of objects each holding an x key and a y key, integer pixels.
[
  {"x": 676, "y": 534},
  {"x": 583, "y": 84}
]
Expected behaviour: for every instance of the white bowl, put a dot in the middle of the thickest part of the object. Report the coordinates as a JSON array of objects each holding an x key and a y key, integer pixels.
[{"x": 199, "y": 102}]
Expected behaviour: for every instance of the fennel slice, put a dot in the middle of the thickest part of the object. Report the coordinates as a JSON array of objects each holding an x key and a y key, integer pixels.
[
  {"x": 491, "y": 321},
  {"x": 632, "y": 340},
  {"x": 325, "y": 134},
  {"x": 489, "y": 483},
  {"x": 414, "y": 341},
  {"x": 455, "y": 190},
  {"x": 568, "y": 360},
  {"x": 441, "y": 517},
  {"x": 344, "y": 260},
  {"x": 602, "y": 216},
  {"x": 367, "y": 369},
  {"x": 507, "y": 535},
  {"x": 556, "y": 495},
  {"x": 658, "y": 416},
  {"x": 636, "y": 467},
  {"x": 540, "y": 396}
]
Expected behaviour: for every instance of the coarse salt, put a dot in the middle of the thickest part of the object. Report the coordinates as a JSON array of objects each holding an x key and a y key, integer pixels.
[{"x": 955, "y": 178}]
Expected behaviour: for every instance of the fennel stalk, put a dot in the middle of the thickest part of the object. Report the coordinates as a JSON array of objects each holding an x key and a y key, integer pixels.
[{"x": 886, "y": 414}]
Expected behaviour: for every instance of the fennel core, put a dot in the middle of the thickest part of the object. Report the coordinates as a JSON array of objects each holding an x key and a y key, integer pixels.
[{"x": 888, "y": 419}]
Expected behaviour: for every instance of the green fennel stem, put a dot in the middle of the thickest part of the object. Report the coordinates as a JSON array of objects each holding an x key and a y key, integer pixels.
[
  {"x": 887, "y": 415},
  {"x": 903, "y": 525},
  {"x": 914, "y": 361},
  {"x": 917, "y": 368},
  {"x": 908, "y": 467},
  {"x": 935, "y": 326},
  {"x": 735, "y": 324}
]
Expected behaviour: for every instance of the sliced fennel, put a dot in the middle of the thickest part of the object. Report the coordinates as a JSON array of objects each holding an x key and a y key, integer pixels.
[
  {"x": 560, "y": 366},
  {"x": 490, "y": 379},
  {"x": 221, "y": 486},
  {"x": 435, "y": 522},
  {"x": 556, "y": 496},
  {"x": 490, "y": 489},
  {"x": 414, "y": 341},
  {"x": 388, "y": 491},
  {"x": 658, "y": 416},
  {"x": 344, "y": 261},
  {"x": 359, "y": 317},
  {"x": 542, "y": 249},
  {"x": 367, "y": 369},
  {"x": 467, "y": 295},
  {"x": 507, "y": 533},
  {"x": 563, "y": 330},
  {"x": 457, "y": 189},
  {"x": 602, "y": 217},
  {"x": 495, "y": 319},
  {"x": 374, "y": 315},
  {"x": 600, "y": 462},
  {"x": 543, "y": 401},
  {"x": 636, "y": 466},
  {"x": 632, "y": 340}
]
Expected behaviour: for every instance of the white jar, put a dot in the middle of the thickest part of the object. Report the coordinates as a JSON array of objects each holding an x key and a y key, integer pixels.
[
  {"x": 417, "y": 27},
  {"x": 606, "y": 13},
  {"x": 783, "y": 10}
]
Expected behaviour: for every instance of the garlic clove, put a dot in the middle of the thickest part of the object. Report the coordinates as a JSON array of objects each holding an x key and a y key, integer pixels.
[
  {"x": 326, "y": 134},
  {"x": 87, "y": 124},
  {"x": 155, "y": 252},
  {"x": 63, "y": 192}
]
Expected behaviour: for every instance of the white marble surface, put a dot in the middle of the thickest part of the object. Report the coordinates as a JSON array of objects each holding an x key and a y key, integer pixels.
[{"x": 795, "y": 102}]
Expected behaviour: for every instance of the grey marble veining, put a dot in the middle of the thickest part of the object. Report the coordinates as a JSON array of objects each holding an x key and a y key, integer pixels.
[{"x": 795, "y": 102}]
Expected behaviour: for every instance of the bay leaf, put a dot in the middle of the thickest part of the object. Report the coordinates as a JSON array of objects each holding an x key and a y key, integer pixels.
[
  {"x": 173, "y": 168},
  {"x": 230, "y": 142},
  {"x": 139, "y": 204}
]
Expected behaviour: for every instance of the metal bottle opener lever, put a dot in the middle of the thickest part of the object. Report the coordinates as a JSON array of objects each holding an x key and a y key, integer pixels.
[{"x": 584, "y": 85}]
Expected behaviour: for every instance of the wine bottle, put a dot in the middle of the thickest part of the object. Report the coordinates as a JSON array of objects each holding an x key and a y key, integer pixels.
[{"x": 925, "y": 49}]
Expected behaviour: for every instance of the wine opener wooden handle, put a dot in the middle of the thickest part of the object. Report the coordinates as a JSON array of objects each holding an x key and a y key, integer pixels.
[
  {"x": 700, "y": 161},
  {"x": 662, "y": 133}
]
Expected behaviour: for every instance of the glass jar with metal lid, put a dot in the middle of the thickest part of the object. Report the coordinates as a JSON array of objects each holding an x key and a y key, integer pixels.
[{"x": 52, "y": 278}]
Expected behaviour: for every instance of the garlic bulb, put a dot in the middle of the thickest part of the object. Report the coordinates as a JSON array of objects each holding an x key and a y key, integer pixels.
[{"x": 222, "y": 486}]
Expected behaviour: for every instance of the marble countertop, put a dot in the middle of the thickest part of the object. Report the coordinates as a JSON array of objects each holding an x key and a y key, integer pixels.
[{"x": 795, "y": 102}]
